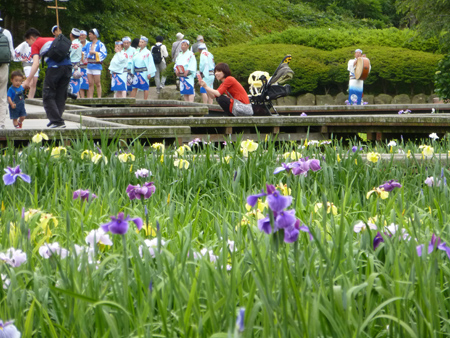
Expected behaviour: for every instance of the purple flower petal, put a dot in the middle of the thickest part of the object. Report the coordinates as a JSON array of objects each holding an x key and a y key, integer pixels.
[
  {"x": 25, "y": 177},
  {"x": 138, "y": 222},
  {"x": 9, "y": 179},
  {"x": 285, "y": 219},
  {"x": 290, "y": 235},
  {"x": 419, "y": 249},
  {"x": 390, "y": 185},
  {"x": 277, "y": 202},
  {"x": 253, "y": 199},
  {"x": 264, "y": 225},
  {"x": 377, "y": 241}
]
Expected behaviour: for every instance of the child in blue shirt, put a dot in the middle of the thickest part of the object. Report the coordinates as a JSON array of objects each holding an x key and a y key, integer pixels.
[{"x": 16, "y": 99}]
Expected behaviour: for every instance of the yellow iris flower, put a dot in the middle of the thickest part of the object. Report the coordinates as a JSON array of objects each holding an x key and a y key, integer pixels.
[
  {"x": 331, "y": 208},
  {"x": 427, "y": 150},
  {"x": 39, "y": 137},
  {"x": 380, "y": 192},
  {"x": 180, "y": 151},
  {"x": 373, "y": 157},
  {"x": 180, "y": 163},
  {"x": 126, "y": 157}
]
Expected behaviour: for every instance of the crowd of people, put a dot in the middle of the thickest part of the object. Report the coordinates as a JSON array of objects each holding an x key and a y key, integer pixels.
[{"x": 133, "y": 66}]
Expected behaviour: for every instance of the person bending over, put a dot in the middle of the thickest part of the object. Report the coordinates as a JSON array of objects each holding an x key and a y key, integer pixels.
[{"x": 232, "y": 89}]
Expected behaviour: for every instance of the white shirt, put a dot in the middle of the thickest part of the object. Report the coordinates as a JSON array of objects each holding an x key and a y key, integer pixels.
[{"x": 10, "y": 39}]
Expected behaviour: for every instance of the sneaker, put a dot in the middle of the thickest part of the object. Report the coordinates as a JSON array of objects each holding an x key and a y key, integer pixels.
[
  {"x": 49, "y": 124},
  {"x": 60, "y": 125}
]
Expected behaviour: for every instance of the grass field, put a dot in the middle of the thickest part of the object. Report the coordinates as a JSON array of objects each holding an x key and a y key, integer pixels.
[{"x": 205, "y": 263}]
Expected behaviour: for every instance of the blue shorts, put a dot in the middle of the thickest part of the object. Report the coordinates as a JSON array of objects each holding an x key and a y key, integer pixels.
[{"x": 14, "y": 114}]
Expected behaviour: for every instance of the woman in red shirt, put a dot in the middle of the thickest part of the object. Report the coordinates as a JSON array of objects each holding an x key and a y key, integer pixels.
[{"x": 230, "y": 86}]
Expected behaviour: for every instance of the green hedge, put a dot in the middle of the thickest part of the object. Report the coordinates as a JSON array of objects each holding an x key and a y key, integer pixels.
[
  {"x": 394, "y": 70},
  {"x": 326, "y": 38}
]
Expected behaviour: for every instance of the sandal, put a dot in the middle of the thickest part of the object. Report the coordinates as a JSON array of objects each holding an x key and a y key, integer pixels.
[{"x": 16, "y": 126}]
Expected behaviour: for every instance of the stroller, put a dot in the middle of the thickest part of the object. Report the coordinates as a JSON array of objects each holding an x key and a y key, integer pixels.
[{"x": 264, "y": 89}]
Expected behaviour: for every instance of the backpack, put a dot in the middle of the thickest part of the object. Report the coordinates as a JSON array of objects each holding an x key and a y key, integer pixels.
[
  {"x": 5, "y": 52},
  {"x": 59, "y": 48},
  {"x": 156, "y": 53}
]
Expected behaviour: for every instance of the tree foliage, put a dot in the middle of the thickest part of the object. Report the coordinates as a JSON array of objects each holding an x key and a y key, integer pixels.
[{"x": 430, "y": 18}]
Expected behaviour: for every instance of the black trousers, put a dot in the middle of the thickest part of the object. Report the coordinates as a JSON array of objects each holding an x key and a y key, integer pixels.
[
  {"x": 54, "y": 94},
  {"x": 224, "y": 102}
]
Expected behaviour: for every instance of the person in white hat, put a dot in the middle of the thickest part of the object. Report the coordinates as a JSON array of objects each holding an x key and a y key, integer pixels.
[
  {"x": 56, "y": 30},
  {"x": 75, "y": 58},
  {"x": 129, "y": 52},
  {"x": 4, "y": 72},
  {"x": 84, "y": 81},
  {"x": 206, "y": 69},
  {"x": 176, "y": 48},
  {"x": 96, "y": 53},
  {"x": 143, "y": 68},
  {"x": 194, "y": 48},
  {"x": 355, "y": 87},
  {"x": 185, "y": 68}
]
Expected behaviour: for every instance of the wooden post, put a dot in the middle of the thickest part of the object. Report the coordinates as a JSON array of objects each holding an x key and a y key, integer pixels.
[{"x": 57, "y": 15}]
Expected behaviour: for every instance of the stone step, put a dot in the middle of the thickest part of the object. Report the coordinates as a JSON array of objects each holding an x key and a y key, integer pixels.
[{"x": 139, "y": 112}]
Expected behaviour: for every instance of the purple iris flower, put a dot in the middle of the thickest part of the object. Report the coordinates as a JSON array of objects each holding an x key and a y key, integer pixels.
[
  {"x": 276, "y": 201},
  {"x": 8, "y": 330},
  {"x": 119, "y": 224},
  {"x": 286, "y": 167},
  {"x": 314, "y": 165},
  {"x": 354, "y": 149},
  {"x": 435, "y": 242},
  {"x": 390, "y": 185},
  {"x": 264, "y": 225},
  {"x": 285, "y": 219},
  {"x": 83, "y": 195},
  {"x": 291, "y": 235},
  {"x": 136, "y": 191},
  {"x": 303, "y": 114},
  {"x": 400, "y": 112},
  {"x": 301, "y": 169},
  {"x": 12, "y": 173},
  {"x": 377, "y": 240},
  {"x": 240, "y": 319}
]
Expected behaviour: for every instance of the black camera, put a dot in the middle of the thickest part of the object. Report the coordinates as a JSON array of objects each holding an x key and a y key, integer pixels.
[{"x": 70, "y": 94}]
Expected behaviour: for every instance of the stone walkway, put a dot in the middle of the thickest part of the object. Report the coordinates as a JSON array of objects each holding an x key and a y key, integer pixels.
[{"x": 36, "y": 119}]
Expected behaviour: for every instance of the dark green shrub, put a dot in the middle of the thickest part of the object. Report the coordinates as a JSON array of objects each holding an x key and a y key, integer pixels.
[
  {"x": 394, "y": 70},
  {"x": 329, "y": 38}
]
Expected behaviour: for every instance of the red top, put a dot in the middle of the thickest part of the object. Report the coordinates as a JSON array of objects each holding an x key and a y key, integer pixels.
[
  {"x": 41, "y": 46},
  {"x": 231, "y": 85}
]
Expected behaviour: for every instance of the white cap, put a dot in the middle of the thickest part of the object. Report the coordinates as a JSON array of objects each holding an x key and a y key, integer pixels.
[
  {"x": 186, "y": 41},
  {"x": 200, "y": 37},
  {"x": 201, "y": 45},
  {"x": 75, "y": 32},
  {"x": 54, "y": 28},
  {"x": 358, "y": 50},
  {"x": 179, "y": 36}
]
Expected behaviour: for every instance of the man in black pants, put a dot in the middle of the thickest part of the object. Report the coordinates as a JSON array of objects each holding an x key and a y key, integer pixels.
[{"x": 57, "y": 77}]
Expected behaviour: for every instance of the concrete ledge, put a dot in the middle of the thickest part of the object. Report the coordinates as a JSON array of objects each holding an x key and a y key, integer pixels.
[
  {"x": 38, "y": 102},
  {"x": 104, "y": 101},
  {"x": 357, "y": 120},
  {"x": 369, "y": 109},
  {"x": 143, "y": 111},
  {"x": 154, "y": 132}
]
